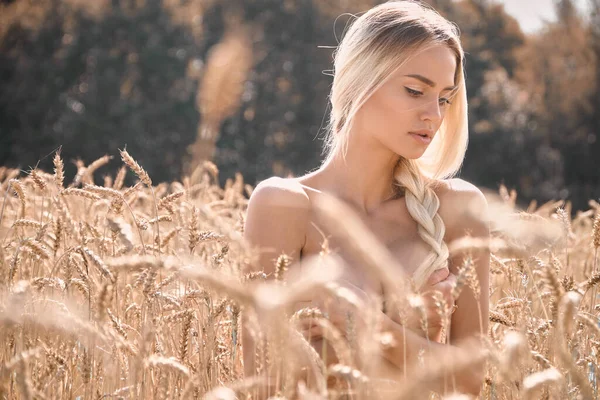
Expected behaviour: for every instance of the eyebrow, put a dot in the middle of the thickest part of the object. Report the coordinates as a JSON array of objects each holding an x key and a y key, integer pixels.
[{"x": 429, "y": 82}]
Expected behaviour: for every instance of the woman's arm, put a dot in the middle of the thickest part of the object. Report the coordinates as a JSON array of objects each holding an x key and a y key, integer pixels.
[
  {"x": 275, "y": 223},
  {"x": 442, "y": 357},
  {"x": 464, "y": 210},
  {"x": 465, "y": 213},
  {"x": 408, "y": 346},
  {"x": 472, "y": 315}
]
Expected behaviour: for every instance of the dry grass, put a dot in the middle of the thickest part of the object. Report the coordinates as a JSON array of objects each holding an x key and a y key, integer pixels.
[
  {"x": 96, "y": 303},
  {"x": 139, "y": 292}
]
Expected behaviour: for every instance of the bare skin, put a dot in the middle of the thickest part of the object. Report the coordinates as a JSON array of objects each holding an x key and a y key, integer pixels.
[{"x": 280, "y": 218}]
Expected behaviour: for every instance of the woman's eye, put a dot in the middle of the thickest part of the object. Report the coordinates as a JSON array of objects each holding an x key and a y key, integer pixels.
[
  {"x": 415, "y": 93},
  {"x": 412, "y": 92}
]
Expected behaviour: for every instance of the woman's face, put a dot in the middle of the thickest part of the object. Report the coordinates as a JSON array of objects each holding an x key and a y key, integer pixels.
[{"x": 411, "y": 103}]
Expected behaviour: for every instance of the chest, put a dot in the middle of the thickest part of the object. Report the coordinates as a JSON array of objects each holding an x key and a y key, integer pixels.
[{"x": 393, "y": 227}]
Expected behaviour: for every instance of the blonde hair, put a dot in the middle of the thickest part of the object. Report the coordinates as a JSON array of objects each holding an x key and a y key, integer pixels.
[{"x": 374, "y": 46}]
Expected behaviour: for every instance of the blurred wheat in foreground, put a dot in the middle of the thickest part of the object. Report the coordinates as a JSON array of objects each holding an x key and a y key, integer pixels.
[{"x": 138, "y": 292}]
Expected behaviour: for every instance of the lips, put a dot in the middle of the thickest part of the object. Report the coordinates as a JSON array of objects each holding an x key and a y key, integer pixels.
[
  {"x": 421, "y": 139},
  {"x": 422, "y": 136},
  {"x": 423, "y": 133}
]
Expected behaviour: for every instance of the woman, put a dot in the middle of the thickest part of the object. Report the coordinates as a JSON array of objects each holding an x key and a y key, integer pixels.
[{"x": 397, "y": 134}]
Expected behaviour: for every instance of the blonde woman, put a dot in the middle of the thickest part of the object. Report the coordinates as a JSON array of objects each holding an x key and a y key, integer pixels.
[{"x": 397, "y": 134}]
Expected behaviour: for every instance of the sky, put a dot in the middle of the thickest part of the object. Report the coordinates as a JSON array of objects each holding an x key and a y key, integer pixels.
[{"x": 532, "y": 13}]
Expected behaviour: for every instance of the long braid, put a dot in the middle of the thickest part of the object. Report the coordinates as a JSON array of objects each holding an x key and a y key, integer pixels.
[{"x": 423, "y": 205}]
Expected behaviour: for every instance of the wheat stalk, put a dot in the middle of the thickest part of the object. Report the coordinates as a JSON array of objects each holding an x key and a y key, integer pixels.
[{"x": 75, "y": 283}]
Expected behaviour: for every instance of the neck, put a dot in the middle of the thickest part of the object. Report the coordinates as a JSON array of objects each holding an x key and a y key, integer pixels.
[{"x": 364, "y": 178}]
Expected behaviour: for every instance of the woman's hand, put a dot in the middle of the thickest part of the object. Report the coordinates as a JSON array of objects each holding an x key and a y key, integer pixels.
[
  {"x": 436, "y": 291},
  {"x": 339, "y": 313},
  {"x": 438, "y": 288},
  {"x": 443, "y": 282}
]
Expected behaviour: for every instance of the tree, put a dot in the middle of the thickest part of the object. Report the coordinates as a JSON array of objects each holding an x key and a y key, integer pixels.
[
  {"x": 555, "y": 69},
  {"x": 96, "y": 83}
]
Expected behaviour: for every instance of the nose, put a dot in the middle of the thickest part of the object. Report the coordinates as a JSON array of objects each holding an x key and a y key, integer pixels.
[{"x": 432, "y": 112}]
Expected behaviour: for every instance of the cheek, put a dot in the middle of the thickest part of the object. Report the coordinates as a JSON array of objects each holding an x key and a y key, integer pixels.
[{"x": 386, "y": 110}]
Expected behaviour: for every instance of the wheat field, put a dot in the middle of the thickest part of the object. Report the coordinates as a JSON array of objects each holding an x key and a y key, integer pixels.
[{"x": 139, "y": 292}]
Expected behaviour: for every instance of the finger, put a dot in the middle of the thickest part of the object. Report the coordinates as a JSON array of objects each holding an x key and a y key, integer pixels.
[
  {"x": 336, "y": 318},
  {"x": 451, "y": 279},
  {"x": 433, "y": 315},
  {"x": 431, "y": 293},
  {"x": 312, "y": 332},
  {"x": 446, "y": 292},
  {"x": 452, "y": 282},
  {"x": 447, "y": 285},
  {"x": 441, "y": 292},
  {"x": 437, "y": 276},
  {"x": 442, "y": 285}
]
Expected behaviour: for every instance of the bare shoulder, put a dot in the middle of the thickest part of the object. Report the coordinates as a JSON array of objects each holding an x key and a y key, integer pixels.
[
  {"x": 463, "y": 207},
  {"x": 276, "y": 220},
  {"x": 458, "y": 190},
  {"x": 280, "y": 192}
]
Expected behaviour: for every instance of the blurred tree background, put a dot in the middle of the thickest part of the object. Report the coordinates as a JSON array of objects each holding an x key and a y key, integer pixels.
[{"x": 246, "y": 82}]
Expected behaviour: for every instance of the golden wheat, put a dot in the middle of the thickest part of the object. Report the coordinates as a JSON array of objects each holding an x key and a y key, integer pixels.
[{"x": 86, "y": 312}]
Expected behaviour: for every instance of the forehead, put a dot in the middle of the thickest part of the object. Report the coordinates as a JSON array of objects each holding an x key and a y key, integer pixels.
[{"x": 438, "y": 63}]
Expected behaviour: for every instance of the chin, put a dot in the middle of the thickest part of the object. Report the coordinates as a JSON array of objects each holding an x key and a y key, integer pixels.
[
  {"x": 409, "y": 151},
  {"x": 413, "y": 155}
]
